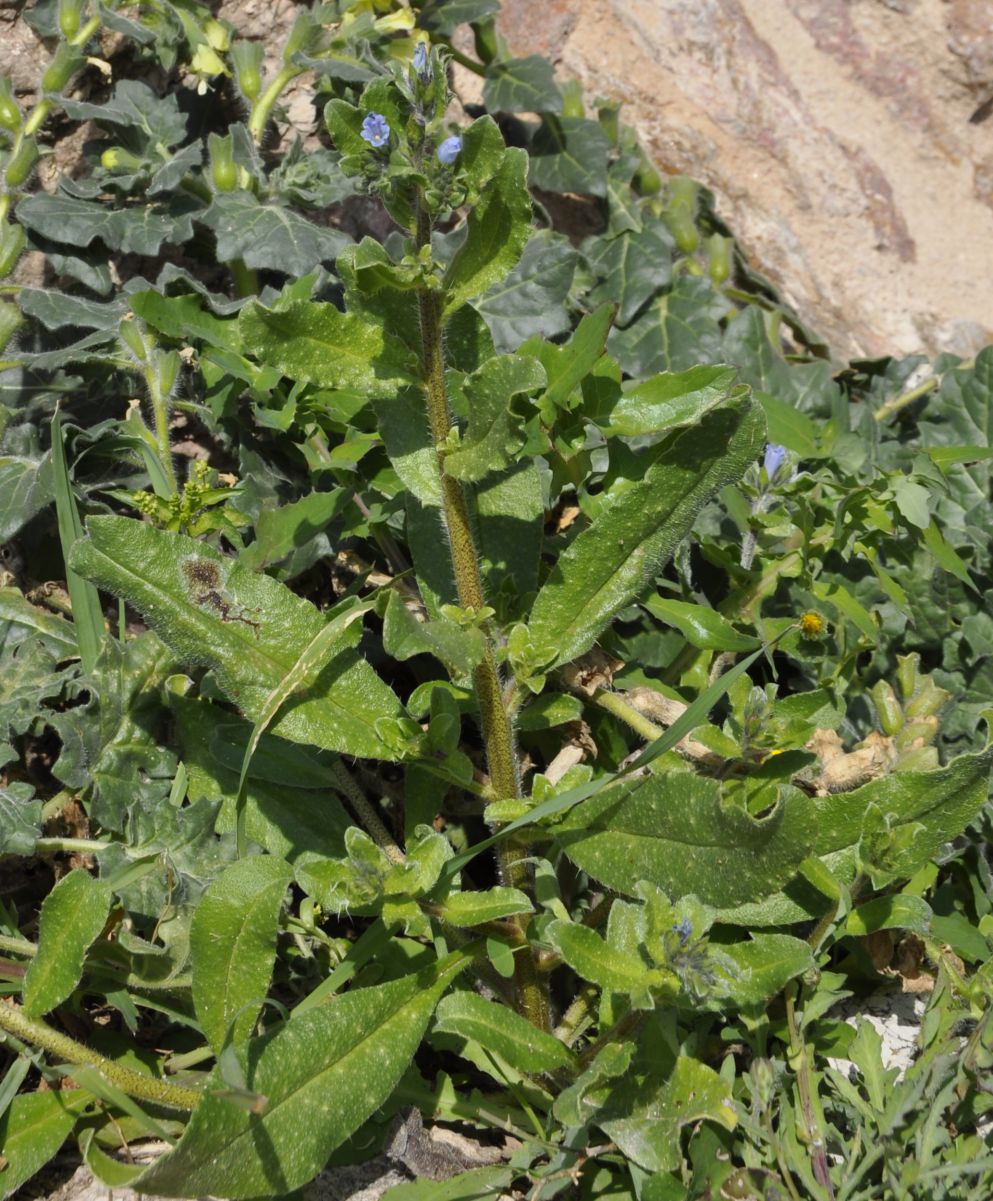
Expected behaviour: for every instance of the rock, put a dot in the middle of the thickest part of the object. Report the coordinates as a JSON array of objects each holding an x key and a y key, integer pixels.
[{"x": 844, "y": 140}]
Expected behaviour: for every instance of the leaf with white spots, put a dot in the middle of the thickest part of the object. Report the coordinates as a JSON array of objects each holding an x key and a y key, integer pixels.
[{"x": 322, "y": 1075}]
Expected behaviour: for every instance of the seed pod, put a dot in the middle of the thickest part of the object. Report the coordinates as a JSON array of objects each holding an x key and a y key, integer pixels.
[
  {"x": 12, "y": 239},
  {"x": 247, "y": 60},
  {"x": 680, "y": 212},
  {"x": 10, "y": 110},
  {"x": 890, "y": 711},
  {"x": 906, "y": 674},
  {"x": 223, "y": 172},
  {"x": 928, "y": 699},
  {"x": 67, "y": 61},
  {"x": 572, "y": 99},
  {"x": 647, "y": 180},
  {"x": 484, "y": 36},
  {"x": 719, "y": 257},
  {"x": 69, "y": 18},
  {"x": 21, "y": 163}
]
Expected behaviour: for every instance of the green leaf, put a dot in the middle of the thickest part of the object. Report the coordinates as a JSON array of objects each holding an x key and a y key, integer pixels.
[
  {"x": 766, "y": 963},
  {"x": 72, "y": 917},
  {"x": 569, "y": 154},
  {"x": 33, "y": 1129},
  {"x": 289, "y": 802},
  {"x": 323, "y": 1073},
  {"x": 136, "y": 107},
  {"x": 532, "y": 299},
  {"x": 898, "y": 912},
  {"x": 678, "y": 330},
  {"x": 233, "y": 946},
  {"x": 460, "y": 650},
  {"x": 185, "y": 317},
  {"x": 494, "y": 431},
  {"x": 913, "y": 501},
  {"x": 278, "y": 532},
  {"x": 20, "y": 819},
  {"x": 473, "y": 1185},
  {"x": 486, "y": 905},
  {"x": 945, "y": 555},
  {"x": 499, "y": 1029},
  {"x": 510, "y": 517},
  {"x": 630, "y": 268},
  {"x": 141, "y": 230},
  {"x": 610, "y": 563},
  {"x": 57, "y": 310},
  {"x": 318, "y": 344},
  {"x": 250, "y": 629},
  {"x": 25, "y": 489},
  {"x": 522, "y": 85},
  {"x": 932, "y": 807},
  {"x": 669, "y": 401},
  {"x": 703, "y": 628},
  {"x": 650, "y": 1135},
  {"x": 87, "y": 616},
  {"x": 602, "y": 964},
  {"x": 442, "y": 17},
  {"x": 567, "y": 366},
  {"x": 497, "y": 230},
  {"x": 678, "y": 833},
  {"x": 269, "y": 236},
  {"x": 790, "y": 427},
  {"x": 549, "y": 710}
]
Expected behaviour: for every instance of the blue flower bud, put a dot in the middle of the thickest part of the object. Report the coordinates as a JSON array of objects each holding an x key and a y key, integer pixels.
[
  {"x": 684, "y": 928},
  {"x": 449, "y": 150},
  {"x": 420, "y": 62},
  {"x": 775, "y": 456},
  {"x": 375, "y": 129}
]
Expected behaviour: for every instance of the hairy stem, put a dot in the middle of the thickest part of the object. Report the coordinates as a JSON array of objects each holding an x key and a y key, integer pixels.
[
  {"x": 495, "y": 720},
  {"x": 366, "y": 814},
  {"x": 147, "y": 1088},
  {"x": 264, "y": 105},
  {"x": 801, "y": 1060}
]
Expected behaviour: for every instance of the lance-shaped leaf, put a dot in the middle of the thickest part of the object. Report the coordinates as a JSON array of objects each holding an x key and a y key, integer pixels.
[
  {"x": 933, "y": 807},
  {"x": 701, "y": 627},
  {"x": 233, "y": 946},
  {"x": 319, "y": 344},
  {"x": 494, "y": 431},
  {"x": 497, "y": 231},
  {"x": 251, "y": 629},
  {"x": 501, "y": 1030},
  {"x": 72, "y": 916},
  {"x": 676, "y": 832},
  {"x": 32, "y": 1130},
  {"x": 322, "y": 1074},
  {"x": 668, "y": 401},
  {"x": 610, "y": 563}
]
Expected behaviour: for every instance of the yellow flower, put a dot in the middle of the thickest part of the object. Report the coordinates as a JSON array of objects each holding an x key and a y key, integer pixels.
[{"x": 812, "y": 625}]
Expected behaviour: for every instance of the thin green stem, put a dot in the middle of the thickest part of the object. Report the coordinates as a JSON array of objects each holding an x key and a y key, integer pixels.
[
  {"x": 617, "y": 706},
  {"x": 79, "y": 846},
  {"x": 17, "y": 946},
  {"x": 366, "y": 814},
  {"x": 147, "y": 1088},
  {"x": 264, "y": 105},
  {"x": 495, "y": 721},
  {"x": 801, "y": 1060}
]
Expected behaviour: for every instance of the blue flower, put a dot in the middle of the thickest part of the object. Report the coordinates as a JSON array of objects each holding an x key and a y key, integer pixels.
[
  {"x": 420, "y": 62},
  {"x": 376, "y": 129},
  {"x": 449, "y": 150},
  {"x": 684, "y": 928},
  {"x": 775, "y": 456}
]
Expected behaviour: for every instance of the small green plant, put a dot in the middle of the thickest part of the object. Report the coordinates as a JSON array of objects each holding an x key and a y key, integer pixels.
[{"x": 529, "y": 707}]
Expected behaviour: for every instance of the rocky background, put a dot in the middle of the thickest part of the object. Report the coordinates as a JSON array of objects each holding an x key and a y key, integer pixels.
[{"x": 849, "y": 144}]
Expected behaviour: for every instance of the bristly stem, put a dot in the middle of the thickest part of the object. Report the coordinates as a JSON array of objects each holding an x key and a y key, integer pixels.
[
  {"x": 495, "y": 721},
  {"x": 135, "y": 1084}
]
